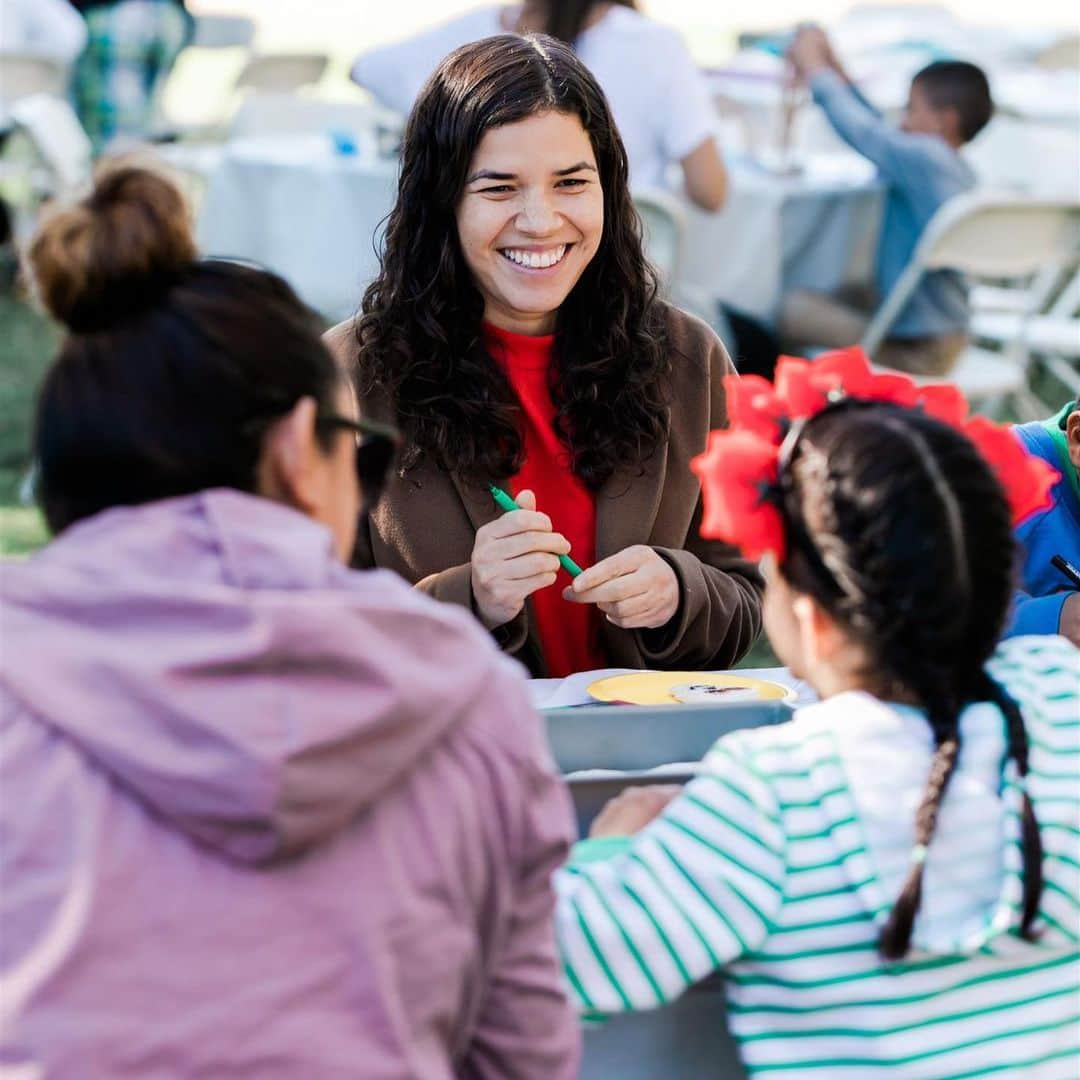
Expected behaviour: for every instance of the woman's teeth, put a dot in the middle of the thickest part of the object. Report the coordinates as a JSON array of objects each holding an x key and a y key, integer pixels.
[{"x": 537, "y": 260}]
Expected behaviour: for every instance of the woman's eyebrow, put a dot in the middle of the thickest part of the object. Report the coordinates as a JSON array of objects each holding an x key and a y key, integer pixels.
[
  {"x": 575, "y": 168},
  {"x": 487, "y": 174}
]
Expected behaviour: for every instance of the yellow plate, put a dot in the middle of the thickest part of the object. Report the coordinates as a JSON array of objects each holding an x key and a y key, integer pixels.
[{"x": 671, "y": 688}]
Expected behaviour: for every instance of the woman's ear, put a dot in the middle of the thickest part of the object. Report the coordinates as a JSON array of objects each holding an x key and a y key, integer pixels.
[{"x": 288, "y": 465}]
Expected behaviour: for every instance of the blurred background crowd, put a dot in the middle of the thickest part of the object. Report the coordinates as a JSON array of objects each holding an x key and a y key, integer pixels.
[{"x": 283, "y": 122}]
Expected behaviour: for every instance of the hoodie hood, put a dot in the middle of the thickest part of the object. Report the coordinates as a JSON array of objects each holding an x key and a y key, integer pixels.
[
  {"x": 213, "y": 656},
  {"x": 973, "y": 877}
]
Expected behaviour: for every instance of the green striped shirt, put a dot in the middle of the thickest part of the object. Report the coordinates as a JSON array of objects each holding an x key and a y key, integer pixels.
[{"x": 782, "y": 858}]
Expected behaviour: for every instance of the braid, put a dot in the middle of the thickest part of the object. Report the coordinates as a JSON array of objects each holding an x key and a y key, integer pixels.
[
  {"x": 1031, "y": 841},
  {"x": 892, "y": 516},
  {"x": 895, "y": 937}
]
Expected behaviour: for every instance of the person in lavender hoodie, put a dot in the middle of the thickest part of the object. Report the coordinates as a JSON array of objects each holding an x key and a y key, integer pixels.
[{"x": 262, "y": 815}]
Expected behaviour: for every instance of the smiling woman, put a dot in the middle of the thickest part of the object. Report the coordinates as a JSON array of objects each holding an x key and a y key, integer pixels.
[
  {"x": 515, "y": 334},
  {"x": 529, "y": 223}
]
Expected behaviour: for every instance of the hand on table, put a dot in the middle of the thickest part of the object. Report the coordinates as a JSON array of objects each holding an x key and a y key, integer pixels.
[
  {"x": 632, "y": 809},
  {"x": 1069, "y": 623},
  {"x": 635, "y": 588},
  {"x": 512, "y": 557}
]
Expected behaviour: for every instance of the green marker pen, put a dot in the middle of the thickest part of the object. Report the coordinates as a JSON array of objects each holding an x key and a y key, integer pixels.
[{"x": 505, "y": 502}]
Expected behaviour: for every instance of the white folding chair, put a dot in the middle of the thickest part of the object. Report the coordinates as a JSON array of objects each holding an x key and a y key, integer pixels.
[
  {"x": 282, "y": 72},
  {"x": 1050, "y": 331},
  {"x": 23, "y": 75},
  {"x": 1025, "y": 298},
  {"x": 664, "y": 225},
  {"x": 986, "y": 236},
  {"x": 46, "y": 154}
]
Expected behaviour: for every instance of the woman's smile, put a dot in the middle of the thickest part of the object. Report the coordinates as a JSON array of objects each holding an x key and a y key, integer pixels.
[{"x": 536, "y": 258}]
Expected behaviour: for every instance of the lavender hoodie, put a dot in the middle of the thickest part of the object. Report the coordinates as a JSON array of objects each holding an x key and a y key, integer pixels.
[{"x": 264, "y": 816}]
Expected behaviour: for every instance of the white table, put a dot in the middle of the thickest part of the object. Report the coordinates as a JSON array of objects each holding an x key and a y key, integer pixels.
[
  {"x": 297, "y": 206},
  {"x": 815, "y": 229}
]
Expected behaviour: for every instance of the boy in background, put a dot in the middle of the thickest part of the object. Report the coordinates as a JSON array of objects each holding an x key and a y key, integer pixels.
[
  {"x": 1049, "y": 601},
  {"x": 948, "y": 104}
]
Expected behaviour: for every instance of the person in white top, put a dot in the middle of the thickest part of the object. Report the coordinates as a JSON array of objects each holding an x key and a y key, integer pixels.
[
  {"x": 659, "y": 97},
  {"x": 49, "y": 28}
]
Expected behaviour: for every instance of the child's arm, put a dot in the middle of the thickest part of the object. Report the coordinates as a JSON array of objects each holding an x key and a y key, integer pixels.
[
  {"x": 899, "y": 156},
  {"x": 1037, "y": 614},
  {"x": 694, "y": 890}
]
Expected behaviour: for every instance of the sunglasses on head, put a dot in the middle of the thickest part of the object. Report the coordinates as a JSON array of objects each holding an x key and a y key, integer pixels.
[{"x": 376, "y": 445}]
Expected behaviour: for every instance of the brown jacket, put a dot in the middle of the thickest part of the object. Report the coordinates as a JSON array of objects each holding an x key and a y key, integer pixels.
[{"x": 425, "y": 524}]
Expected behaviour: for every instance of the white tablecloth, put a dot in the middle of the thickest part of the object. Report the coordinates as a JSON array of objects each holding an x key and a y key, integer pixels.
[
  {"x": 302, "y": 209},
  {"x": 817, "y": 229}
]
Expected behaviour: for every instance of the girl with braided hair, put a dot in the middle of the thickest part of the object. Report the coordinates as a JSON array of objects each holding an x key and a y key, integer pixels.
[{"x": 892, "y": 880}]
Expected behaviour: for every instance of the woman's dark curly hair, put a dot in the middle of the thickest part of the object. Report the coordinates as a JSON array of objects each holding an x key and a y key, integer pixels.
[
  {"x": 900, "y": 530},
  {"x": 420, "y": 324}
]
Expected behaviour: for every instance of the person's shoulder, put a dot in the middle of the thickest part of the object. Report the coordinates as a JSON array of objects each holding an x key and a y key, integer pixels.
[
  {"x": 431, "y": 634},
  {"x": 938, "y": 156},
  {"x": 684, "y": 328},
  {"x": 1034, "y": 439},
  {"x": 343, "y": 343},
  {"x": 691, "y": 339}
]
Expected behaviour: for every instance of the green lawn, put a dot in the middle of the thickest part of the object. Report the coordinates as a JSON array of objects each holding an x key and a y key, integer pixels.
[{"x": 27, "y": 344}]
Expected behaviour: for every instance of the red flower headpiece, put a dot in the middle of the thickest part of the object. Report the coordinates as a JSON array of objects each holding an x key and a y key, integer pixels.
[{"x": 740, "y": 468}]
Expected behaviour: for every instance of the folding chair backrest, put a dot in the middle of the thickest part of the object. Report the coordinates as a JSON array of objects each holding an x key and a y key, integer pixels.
[
  {"x": 22, "y": 75},
  {"x": 984, "y": 236},
  {"x": 1063, "y": 53},
  {"x": 223, "y": 31},
  {"x": 282, "y": 72},
  {"x": 665, "y": 223},
  {"x": 1000, "y": 237}
]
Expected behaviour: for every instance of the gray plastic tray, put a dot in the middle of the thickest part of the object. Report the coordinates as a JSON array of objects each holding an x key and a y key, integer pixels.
[{"x": 635, "y": 737}]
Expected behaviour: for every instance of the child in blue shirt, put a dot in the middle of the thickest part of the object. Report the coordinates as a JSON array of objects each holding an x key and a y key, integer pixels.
[
  {"x": 1048, "y": 602},
  {"x": 948, "y": 104}
]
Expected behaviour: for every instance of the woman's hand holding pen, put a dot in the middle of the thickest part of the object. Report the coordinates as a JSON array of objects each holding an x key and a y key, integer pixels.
[
  {"x": 512, "y": 557},
  {"x": 635, "y": 588}
]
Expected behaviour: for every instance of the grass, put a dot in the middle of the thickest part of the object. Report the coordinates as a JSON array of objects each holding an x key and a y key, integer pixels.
[{"x": 28, "y": 342}]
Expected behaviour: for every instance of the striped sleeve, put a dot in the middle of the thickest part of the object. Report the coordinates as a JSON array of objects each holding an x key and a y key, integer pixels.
[{"x": 693, "y": 891}]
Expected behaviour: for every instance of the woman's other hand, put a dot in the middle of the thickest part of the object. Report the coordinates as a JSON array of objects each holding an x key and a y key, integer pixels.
[
  {"x": 632, "y": 809},
  {"x": 635, "y": 588},
  {"x": 512, "y": 557}
]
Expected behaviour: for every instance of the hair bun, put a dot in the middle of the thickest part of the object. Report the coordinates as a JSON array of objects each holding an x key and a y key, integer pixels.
[{"x": 112, "y": 255}]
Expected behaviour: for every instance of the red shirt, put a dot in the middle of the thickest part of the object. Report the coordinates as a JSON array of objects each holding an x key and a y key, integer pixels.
[{"x": 568, "y": 632}]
